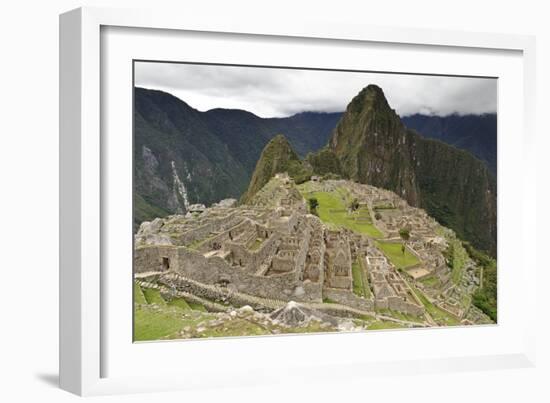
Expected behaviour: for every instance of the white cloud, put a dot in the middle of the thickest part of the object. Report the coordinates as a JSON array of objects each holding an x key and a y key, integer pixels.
[{"x": 269, "y": 92}]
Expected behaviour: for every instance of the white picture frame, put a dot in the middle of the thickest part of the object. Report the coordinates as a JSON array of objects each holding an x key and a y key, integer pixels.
[{"x": 89, "y": 181}]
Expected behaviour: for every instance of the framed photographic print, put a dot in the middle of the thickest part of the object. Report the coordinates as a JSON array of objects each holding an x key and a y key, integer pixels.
[{"x": 299, "y": 200}]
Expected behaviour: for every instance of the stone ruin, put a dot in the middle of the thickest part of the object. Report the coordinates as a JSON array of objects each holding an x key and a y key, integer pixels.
[{"x": 273, "y": 249}]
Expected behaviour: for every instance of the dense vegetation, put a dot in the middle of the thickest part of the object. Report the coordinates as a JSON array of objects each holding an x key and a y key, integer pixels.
[
  {"x": 214, "y": 155},
  {"x": 485, "y": 298},
  {"x": 324, "y": 162},
  {"x": 456, "y": 258},
  {"x": 277, "y": 156},
  {"x": 474, "y": 133},
  {"x": 214, "y": 152}
]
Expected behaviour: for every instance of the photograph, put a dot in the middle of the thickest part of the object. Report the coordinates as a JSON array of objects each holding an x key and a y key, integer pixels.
[{"x": 273, "y": 200}]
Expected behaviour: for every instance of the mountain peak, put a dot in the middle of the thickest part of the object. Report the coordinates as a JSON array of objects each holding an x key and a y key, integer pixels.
[
  {"x": 276, "y": 157},
  {"x": 371, "y": 97},
  {"x": 279, "y": 139}
]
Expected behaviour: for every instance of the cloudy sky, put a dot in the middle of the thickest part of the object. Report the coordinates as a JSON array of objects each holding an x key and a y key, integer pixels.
[{"x": 276, "y": 92}]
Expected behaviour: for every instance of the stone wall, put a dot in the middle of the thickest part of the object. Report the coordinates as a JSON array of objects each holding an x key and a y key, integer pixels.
[
  {"x": 300, "y": 258},
  {"x": 205, "y": 230},
  {"x": 401, "y": 305},
  {"x": 155, "y": 258},
  {"x": 345, "y": 297},
  {"x": 214, "y": 270}
]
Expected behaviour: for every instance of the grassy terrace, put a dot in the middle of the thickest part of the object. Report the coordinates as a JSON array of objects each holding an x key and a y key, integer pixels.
[
  {"x": 431, "y": 281},
  {"x": 401, "y": 315},
  {"x": 381, "y": 324},
  {"x": 156, "y": 318},
  {"x": 333, "y": 210},
  {"x": 139, "y": 298},
  {"x": 153, "y": 296},
  {"x": 395, "y": 254},
  {"x": 197, "y": 243},
  {"x": 457, "y": 256},
  {"x": 256, "y": 244},
  {"x": 437, "y": 314},
  {"x": 360, "y": 281}
]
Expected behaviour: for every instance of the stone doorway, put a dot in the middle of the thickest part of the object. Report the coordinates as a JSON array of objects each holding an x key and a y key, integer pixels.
[{"x": 165, "y": 263}]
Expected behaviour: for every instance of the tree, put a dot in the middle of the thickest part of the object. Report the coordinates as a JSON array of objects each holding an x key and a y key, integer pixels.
[
  {"x": 405, "y": 235},
  {"x": 354, "y": 205},
  {"x": 313, "y": 204}
]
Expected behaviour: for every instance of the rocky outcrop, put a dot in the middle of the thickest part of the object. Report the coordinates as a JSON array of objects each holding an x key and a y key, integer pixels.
[{"x": 297, "y": 315}]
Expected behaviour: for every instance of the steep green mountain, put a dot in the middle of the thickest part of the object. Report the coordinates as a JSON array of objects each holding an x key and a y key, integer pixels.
[
  {"x": 277, "y": 157},
  {"x": 324, "y": 162},
  {"x": 374, "y": 147},
  {"x": 178, "y": 161},
  {"x": 474, "y": 133},
  {"x": 183, "y": 156}
]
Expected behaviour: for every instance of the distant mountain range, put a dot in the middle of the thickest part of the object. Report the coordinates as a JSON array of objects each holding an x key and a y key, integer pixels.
[
  {"x": 474, "y": 133},
  {"x": 183, "y": 156}
]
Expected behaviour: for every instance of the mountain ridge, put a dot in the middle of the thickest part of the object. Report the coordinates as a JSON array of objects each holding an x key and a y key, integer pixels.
[
  {"x": 184, "y": 156},
  {"x": 375, "y": 147}
]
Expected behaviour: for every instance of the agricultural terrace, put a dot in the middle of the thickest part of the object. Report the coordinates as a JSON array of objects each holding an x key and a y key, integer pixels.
[
  {"x": 360, "y": 281},
  {"x": 394, "y": 252},
  {"x": 333, "y": 210}
]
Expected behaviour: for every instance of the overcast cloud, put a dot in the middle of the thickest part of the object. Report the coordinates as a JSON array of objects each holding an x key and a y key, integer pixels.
[{"x": 270, "y": 92}]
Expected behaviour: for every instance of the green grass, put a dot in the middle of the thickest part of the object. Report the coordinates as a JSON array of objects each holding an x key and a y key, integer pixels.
[
  {"x": 394, "y": 253},
  {"x": 382, "y": 324},
  {"x": 360, "y": 287},
  {"x": 327, "y": 300},
  {"x": 197, "y": 243},
  {"x": 256, "y": 245},
  {"x": 167, "y": 322},
  {"x": 430, "y": 281},
  {"x": 180, "y": 303},
  {"x": 187, "y": 305},
  {"x": 486, "y": 297},
  {"x": 437, "y": 314},
  {"x": 139, "y": 298},
  {"x": 145, "y": 211},
  {"x": 401, "y": 315},
  {"x": 236, "y": 327},
  {"x": 164, "y": 322},
  {"x": 457, "y": 256},
  {"x": 196, "y": 306},
  {"x": 332, "y": 210},
  {"x": 152, "y": 296}
]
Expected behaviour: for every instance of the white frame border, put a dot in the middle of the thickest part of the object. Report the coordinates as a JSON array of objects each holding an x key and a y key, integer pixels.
[{"x": 80, "y": 173}]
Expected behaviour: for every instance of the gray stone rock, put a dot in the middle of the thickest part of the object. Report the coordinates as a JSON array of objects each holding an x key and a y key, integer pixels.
[
  {"x": 226, "y": 203},
  {"x": 294, "y": 314}
]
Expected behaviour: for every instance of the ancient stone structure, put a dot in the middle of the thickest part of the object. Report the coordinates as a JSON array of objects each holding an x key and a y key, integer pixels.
[{"x": 273, "y": 249}]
